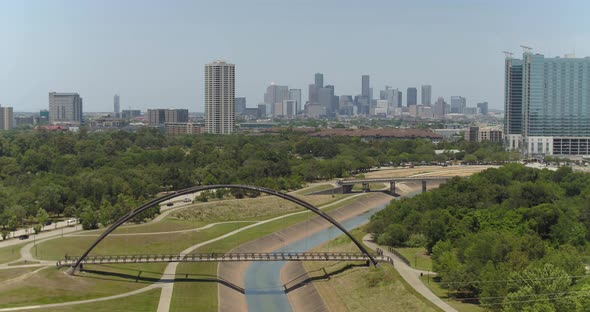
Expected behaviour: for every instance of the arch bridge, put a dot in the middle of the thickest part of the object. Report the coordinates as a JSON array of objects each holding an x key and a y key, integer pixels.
[{"x": 75, "y": 263}]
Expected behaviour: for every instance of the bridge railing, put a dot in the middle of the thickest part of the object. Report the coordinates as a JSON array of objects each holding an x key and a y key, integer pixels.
[{"x": 213, "y": 257}]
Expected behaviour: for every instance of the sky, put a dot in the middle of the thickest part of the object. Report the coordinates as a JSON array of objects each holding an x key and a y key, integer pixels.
[{"x": 153, "y": 53}]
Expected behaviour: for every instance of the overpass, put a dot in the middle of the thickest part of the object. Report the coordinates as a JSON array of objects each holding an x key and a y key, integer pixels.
[{"x": 345, "y": 186}]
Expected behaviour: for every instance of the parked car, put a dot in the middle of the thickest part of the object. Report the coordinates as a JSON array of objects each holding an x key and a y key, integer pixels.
[
  {"x": 187, "y": 200},
  {"x": 170, "y": 204},
  {"x": 71, "y": 222},
  {"x": 48, "y": 222},
  {"x": 24, "y": 236}
]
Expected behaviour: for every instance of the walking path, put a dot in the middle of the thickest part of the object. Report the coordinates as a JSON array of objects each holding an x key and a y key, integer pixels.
[{"x": 410, "y": 275}]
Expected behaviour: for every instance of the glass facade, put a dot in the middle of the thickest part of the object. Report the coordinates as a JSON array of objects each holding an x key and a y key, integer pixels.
[
  {"x": 547, "y": 101},
  {"x": 558, "y": 96}
]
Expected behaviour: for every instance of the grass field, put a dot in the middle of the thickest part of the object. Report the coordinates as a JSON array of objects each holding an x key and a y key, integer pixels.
[
  {"x": 251, "y": 208},
  {"x": 359, "y": 289},
  {"x": 52, "y": 285},
  {"x": 442, "y": 293},
  {"x": 417, "y": 257},
  {"x": 146, "y": 301},
  {"x": 13, "y": 273},
  {"x": 316, "y": 188},
  {"x": 10, "y": 253},
  {"x": 137, "y": 244}
]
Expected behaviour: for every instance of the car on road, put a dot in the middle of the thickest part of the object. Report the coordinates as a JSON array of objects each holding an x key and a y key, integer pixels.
[
  {"x": 187, "y": 200},
  {"x": 24, "y": 236},
  {"x": 71, "y": 222},
  {"x": 48, "y": 222},
  {"x": 170, "y": 204}
]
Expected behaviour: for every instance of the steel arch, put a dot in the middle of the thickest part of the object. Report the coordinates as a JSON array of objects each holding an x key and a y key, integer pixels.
[{"x": 194, "y": 189}]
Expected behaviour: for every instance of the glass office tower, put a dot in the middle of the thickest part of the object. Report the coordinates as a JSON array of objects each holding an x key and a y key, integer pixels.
[{"x": 547, "y": 105}]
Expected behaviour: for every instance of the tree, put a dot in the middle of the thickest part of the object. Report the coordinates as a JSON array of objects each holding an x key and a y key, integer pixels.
[
  {"x": 42, "y": 216},
  {"x": 539, "y": 288},
  {"x": 89, "y": 219}
]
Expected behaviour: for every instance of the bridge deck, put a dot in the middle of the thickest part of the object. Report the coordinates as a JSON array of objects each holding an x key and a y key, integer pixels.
[
  {"x": 227, "y": 257},
  {"x": 394, "y": 179}
]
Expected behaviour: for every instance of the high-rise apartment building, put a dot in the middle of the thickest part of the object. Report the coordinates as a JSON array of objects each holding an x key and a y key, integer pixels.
[
  {"x": 412, "y": 96},
  {"x": 426, "y": 95},
  {"x": 220, "y": 116},
  {"x": 295, "y": 95},
  {"x": 6, "y": 118},
  {"x": 117, "y": 107},
  {"x": 240, "y": 105},
  {"x": 547, "y": 105},
  {"x": 65, "y": 108}
]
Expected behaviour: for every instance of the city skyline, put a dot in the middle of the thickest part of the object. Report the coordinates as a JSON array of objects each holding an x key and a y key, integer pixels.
[{"x": 140, "y": 49}]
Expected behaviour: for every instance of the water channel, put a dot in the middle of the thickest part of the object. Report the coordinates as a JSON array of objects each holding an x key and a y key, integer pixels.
[{"x": 262, "y": 280}]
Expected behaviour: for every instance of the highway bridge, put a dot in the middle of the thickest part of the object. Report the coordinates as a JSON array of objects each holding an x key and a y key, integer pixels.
[
  {"x": 224, "y": 257},
  {"x": 345, "y": 186}
]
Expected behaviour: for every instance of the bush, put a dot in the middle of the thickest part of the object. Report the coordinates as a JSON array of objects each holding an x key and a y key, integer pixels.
[{"x": 417, "y": 240}]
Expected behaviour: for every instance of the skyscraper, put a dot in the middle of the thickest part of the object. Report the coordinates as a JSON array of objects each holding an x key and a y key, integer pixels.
[
  {"x": 412, "y": 96},
  {"x": 240, "y": 105},
  {"x": 440, "y": 107},
  {"x": 426, "y": 95},
  {"x": 366, "y": 86},
  {"x": 6, "y": 118},
  {"x": 65, "y": 108},
  {"x": 319, "y": 80},
  {"x": 275, "y": 94},
  {"x": 295, "y": 95},
  {"x": 326, "y": 100},
  {"x": 220, "y": 117},
  {"x": 117, "y": 108},
  {"x": 547, "y": 105},
  {"x": 458, "y": 104}
]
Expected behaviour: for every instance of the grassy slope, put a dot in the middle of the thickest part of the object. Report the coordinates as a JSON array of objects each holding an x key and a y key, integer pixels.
[{"x": 364, "y": 289}]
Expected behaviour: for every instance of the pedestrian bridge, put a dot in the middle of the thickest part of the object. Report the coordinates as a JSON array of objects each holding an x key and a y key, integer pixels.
[
  {"x": 224, "y": 257},
  {"x": 345, "y": 186}
]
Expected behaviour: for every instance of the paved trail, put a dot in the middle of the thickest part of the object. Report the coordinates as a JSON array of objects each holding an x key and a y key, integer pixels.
[{"x": 411, "y": 276}]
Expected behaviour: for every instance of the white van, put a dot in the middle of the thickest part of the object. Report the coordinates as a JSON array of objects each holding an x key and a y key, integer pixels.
[{"x": 70, "y": 222}]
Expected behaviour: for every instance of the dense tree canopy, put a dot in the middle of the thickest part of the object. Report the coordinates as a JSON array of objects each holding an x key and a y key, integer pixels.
[
  {"x": 516, "y": 238},
  {"x": 103, "y": 175}
]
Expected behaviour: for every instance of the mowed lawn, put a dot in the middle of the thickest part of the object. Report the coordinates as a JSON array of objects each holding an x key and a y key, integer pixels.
[
  {"x": 417, "y": 257},
  {"x": 52, "y": 285},
  {"x": 146, "y": 301},
  {"x": 131, "y": 244},
  {"x": 10, "y": 253}
]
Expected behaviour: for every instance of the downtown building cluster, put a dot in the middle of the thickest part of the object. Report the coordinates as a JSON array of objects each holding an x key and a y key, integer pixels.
[
  {"x": 547, "y": 105},
  {"x": 282, "y": 102}
]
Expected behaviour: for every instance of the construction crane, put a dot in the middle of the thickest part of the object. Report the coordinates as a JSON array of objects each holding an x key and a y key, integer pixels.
[
  {"x": 526, "y": 49},
  {"x": 508, "y": 54}
]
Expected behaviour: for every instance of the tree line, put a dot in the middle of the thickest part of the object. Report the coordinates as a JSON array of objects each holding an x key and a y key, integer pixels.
[
  {"x": 100, "y": 176},
  {"x": 512, "y": 238}
]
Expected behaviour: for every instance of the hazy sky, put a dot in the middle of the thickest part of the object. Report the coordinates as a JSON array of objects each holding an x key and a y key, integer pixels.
[{"x": 152, "y": 52}]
